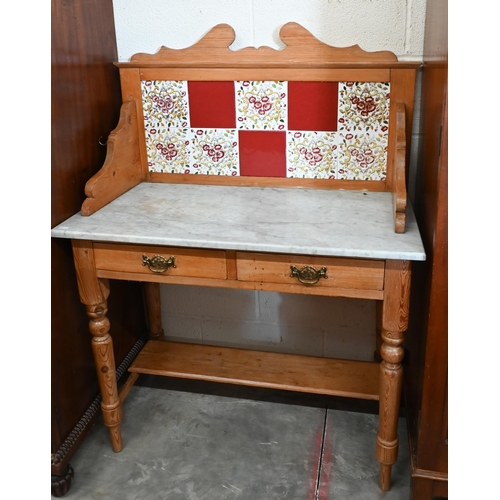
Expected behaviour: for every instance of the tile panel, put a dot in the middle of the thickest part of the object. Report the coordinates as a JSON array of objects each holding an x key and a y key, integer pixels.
[{"x": 313, "y": 130}]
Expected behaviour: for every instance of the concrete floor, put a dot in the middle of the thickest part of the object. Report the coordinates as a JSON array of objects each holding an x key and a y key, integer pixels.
[{"x": 228, "y": 442}]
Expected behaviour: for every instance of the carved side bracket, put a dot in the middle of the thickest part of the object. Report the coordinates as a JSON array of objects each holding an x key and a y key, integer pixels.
[
  {"x": 122, "y": 168},
  {"x": 399, "y": 195}
]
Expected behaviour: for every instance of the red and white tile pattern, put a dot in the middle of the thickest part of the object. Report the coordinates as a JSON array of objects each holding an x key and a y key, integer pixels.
[{"x": 324, "y": 130}]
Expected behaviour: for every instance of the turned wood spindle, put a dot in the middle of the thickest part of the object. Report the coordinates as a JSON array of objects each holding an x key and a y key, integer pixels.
[
  {"x": 390, "y": 397},
  {"x": 102, "y": 347},
  {"x": 395, "y": 309}
]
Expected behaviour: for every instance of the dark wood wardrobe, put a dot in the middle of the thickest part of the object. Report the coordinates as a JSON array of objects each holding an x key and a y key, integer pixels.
[
  {"x": 85, "y": 108},
  {"x": 426, "y": 366}
]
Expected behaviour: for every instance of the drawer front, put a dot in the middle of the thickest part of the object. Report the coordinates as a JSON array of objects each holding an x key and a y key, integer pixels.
[
  {"x": 309, "y": 271},
  {"x": 150, "y": 259}
]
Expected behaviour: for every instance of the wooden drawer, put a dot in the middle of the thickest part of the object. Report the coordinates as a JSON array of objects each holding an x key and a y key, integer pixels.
[
  {"x": 340, "y": 272},
  {"x": 189, "y": 263}
]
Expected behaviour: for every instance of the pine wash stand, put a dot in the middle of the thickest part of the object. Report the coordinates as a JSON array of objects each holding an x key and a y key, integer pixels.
[{"x": 258, "y": 169}]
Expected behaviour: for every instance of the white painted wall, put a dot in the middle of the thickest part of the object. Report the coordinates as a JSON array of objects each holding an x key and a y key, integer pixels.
[
  {"x": 146, "y": 25},
  {"x": 319, "y": 326}
]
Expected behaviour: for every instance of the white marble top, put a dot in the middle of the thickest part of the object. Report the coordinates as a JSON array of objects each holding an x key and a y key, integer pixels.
[{"x": 280, "y": 220}]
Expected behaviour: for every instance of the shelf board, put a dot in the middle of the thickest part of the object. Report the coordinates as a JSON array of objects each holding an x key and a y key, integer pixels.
[{"x": 335, "y": 377}]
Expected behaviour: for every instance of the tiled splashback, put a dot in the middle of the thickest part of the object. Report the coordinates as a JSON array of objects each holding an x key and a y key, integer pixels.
[{"x": 322, "y": 130}]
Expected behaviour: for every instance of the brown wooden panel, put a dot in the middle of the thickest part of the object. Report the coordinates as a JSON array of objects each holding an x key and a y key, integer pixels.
[
  {"x": 74, "y": 382},
  {"x": 85, "y": 108},
  {"x": 242, "y": 285},
  {"x": 341, "y": 273},
  {"x": 428, "y": 488},
  {"x": 191, "y": 263},
  {"x": 85, "y": 98},
  {"x": 426, "y": 364},
  {"x": 288, "y": 182},
  {"x": 260, "y": 369},
  {"x": 281, "y": 74}
]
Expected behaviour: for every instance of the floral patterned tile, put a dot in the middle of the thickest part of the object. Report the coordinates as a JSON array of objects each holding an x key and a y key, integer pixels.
[
  {"x": 168, "y": 149},
  {"x": 312, "y": 155},
  {"x": 363, "y": 106},
  {"x": 214, "y": 152},
  {"x": 362, "y": 156},
  {"x": 363, "y": 130},
  {"x": 261, "y": 105},
  {"x": 165, "y": 103}
]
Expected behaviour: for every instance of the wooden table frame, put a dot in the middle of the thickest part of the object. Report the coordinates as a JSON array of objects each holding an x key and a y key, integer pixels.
[
  {"x": 348, "y": 378},
  {"x": 385, "y": 280}
]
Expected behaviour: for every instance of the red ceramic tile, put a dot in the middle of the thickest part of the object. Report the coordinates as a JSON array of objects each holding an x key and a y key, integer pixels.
[
  {"x": 211, "y": 104},
  {"x": 313, "y": 106},
  {"x": 262, "y": 153}
]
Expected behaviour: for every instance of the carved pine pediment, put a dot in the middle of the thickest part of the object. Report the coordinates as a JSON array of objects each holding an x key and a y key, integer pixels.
[{"x": 301, "y": 49}]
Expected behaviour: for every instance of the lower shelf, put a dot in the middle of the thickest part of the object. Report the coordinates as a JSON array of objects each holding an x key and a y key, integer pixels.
[{"x": 335, "y": 377}]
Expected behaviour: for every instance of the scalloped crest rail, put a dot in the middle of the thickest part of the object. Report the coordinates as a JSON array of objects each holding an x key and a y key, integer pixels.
[{"x": 302, "y": 50}]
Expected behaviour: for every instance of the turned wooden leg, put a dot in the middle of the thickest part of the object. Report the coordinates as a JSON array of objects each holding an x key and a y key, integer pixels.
[
  {"x": 153, "y": 306},
  {"x": 102, "y": 347},
  {"x": 94, "y": 293},
  {"x": 391, "y": 378},
  {"x": 394, "y": 324}
]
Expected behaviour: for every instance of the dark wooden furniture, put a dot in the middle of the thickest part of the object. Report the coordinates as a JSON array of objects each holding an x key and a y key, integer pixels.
[
  {"x": 426, "y": 365},
  {"x": 339, "y": 229},
  {"x": 85, "y": 107}
]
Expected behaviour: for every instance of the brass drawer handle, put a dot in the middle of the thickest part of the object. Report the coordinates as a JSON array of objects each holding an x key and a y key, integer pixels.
[
  {"x": 158, "y": 264},
  {"x": 308, "y": 275}
]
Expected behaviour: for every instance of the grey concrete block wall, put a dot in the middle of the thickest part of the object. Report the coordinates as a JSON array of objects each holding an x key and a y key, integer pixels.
[{"x": 316, "y": 326}]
